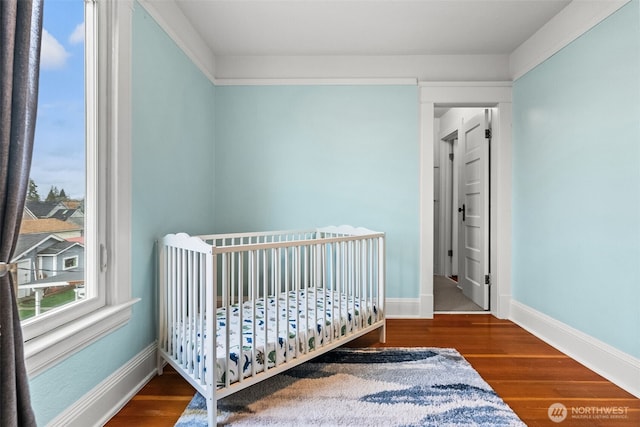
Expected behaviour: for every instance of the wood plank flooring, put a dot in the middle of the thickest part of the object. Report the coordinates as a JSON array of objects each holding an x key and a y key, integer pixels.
[{"x": 528, "y": 374}]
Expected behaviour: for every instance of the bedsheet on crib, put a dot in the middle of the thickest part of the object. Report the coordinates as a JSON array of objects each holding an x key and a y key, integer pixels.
[{"x": 297, "y": 330}]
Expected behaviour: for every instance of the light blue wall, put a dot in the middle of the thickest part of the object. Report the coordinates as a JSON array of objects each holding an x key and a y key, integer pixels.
[
  {"x": 306, "y": 156},
  {"x": 576, "y": 188},
  {"x": 302, "y": 156},
  {"x": 172, "y": 133}
]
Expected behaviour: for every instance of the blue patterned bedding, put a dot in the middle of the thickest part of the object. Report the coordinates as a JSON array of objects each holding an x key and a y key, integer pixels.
[{"x": 312, "y": 319}]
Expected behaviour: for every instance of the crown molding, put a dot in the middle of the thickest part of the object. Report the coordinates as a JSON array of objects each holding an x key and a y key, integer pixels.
[
  {"x": 171, "y": 19},
  {"x": 421, "y": 67},
  {"x": 574, "y": 20},
  {"x": 317, "y": 82}
]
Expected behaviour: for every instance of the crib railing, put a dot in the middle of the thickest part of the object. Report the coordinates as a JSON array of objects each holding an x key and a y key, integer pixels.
[{"x": 331, "y": 273}]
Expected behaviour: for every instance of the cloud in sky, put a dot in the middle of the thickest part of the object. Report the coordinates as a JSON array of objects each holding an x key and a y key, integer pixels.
[
  {"x": 77, "y": 36},
  {"x": 53, "y": 55}
]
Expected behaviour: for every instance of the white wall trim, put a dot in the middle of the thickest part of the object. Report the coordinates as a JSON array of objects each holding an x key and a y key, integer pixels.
[
  {"x": 500, "y": 219},
  {"x": 48, "y": 349},
  {"x": 426, "y": 197},
  {"x": 618, "y": 367},
  {"x": 426, "y": 306},
  {"x": 317, "y": 82},
  {"x": 445, "y": 84},
  {"x": 496, "y": 95},
  {"x": 402, "y": 308},
  {"x": 465, "y": 94},
  {"x": 574, "y": 20},
  {"x": 504, "y": 303},
  {"x": 422, "y": 67},
  {"x": 171, "y": 19},
  {"x": 107, "y": 398}
]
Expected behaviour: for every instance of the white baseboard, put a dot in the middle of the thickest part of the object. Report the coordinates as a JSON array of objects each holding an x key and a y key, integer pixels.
[
  {"x": 618, "y": 367},
  {"x": 503, "y": 310},
  {"x": 402, "y": 308},
  {"x": 105, "y": 400},
  {"x": 426, "y": 306}
]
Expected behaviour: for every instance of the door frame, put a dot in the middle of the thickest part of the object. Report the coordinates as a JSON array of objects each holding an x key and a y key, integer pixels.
[
  {"x": 448, "y": 194},
  {"x": 495, "y": 95}
]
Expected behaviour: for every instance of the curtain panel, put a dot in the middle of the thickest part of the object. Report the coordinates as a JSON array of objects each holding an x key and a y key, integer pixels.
[{"x": 20, "y": 41}]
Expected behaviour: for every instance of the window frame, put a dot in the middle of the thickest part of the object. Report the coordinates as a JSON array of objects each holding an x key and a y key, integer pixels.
[{"x": 54, "y": 336}]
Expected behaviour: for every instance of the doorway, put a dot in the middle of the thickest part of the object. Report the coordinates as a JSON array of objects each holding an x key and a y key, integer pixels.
[
  {"x": 497, "y": 96},
  {"x": 461, "y": 209}
]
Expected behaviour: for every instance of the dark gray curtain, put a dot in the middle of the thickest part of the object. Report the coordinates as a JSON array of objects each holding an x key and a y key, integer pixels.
[{"x": 20, "y": 39}]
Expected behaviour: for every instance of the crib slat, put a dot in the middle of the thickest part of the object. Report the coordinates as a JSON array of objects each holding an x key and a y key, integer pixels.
[
  {"x": 355, "y": 286},
  {"x": 365, "y": 282},
  {"x": 209, "y": 337},
  {"x": 240, "y": 302},
  {"x": 299, "y": 301},
  {"x": 310, "y": 326},
  {"x": 287, "y": 301},
  {"x": 176, "y": 304},
  {"x": 199, "y": 315},
  {"x": 277, "y": 293},
  {"x": 183, "y": 308},
  {"x": 176, "y": 292},
  {"x": 232, "y": 278},
  {"x": 187, "y": 311},
  {"x": 341, "y": 286},
  {"x": 227, "y": 306},
  {"x": 265, "y": 293},
  {"x": 253, "y": 279},
  {"x": 171, "y": 300}
]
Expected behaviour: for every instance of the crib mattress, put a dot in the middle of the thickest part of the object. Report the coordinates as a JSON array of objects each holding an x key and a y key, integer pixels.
[{"x": 306, "y": 320}]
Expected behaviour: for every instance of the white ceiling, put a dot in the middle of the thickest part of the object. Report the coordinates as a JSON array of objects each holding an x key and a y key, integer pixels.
[{"x": 367, "y": 27}]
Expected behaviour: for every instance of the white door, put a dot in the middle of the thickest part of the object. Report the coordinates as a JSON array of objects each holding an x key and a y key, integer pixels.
[{"x": 473, "y": 217}]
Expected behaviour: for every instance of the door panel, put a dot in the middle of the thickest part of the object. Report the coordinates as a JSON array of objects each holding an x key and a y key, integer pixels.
[{"x": 474, "y": 217}]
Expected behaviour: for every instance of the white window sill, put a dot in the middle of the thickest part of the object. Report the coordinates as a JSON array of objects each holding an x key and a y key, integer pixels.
[{"x": 52, "y": 347}]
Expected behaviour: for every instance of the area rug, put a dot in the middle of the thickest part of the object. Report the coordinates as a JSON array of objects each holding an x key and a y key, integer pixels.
[{"x": 365, "y": 387}]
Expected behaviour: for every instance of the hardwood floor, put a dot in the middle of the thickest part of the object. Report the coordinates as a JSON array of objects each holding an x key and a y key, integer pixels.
[{"x": 528, "y": 374}]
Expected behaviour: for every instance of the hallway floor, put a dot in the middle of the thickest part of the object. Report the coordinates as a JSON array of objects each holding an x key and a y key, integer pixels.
[{"x": 448, "y": 297}]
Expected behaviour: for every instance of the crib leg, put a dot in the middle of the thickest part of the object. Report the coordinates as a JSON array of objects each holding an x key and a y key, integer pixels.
[
  {"x": 383, "y": 333},
  {"x": 212, "y": 411}
]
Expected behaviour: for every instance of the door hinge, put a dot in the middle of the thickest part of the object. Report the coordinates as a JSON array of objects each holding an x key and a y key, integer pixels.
[
  {"x": 451, "y": 156},
  {"x": 487, "y": 133},
  {"x": 450, "y": 252},
  {"x": 487, "y": 279}
]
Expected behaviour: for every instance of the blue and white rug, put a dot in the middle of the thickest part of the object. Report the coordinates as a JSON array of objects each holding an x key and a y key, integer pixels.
[{"x": 366, "y": 387}]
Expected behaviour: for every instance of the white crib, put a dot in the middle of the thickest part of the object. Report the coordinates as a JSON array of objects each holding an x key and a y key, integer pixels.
[{"x": 275, "y": 299}]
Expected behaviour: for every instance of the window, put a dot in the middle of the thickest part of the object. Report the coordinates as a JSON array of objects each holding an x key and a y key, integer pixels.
[
  {"x": 84, "y": 227},
  {"x": 58, "y": 166},
  {"x": 70, "y": 262}
]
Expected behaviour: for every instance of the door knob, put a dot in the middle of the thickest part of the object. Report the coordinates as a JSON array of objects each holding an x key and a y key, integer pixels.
[{"x": 463, "y": 209}]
